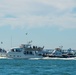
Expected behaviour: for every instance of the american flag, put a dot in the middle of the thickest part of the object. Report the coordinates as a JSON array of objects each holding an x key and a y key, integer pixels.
[{"x": 26, "y": 33}]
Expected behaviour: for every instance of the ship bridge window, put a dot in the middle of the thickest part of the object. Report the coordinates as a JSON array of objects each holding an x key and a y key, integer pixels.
[
  {"x": 0, "y": 49},
  {"x": 18, "y": 50},
  {"x": 12, "y": 50},
  {"x": 28, "y": 46}
]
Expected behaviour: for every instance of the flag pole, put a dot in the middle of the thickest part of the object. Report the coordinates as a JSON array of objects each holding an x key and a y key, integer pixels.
[
  {"x": 1, "y": 43},
  {"x": 26, "y": 37}
]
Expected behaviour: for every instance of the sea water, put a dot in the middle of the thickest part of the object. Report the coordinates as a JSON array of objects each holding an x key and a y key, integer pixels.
[{"x": 37, "y": 67}]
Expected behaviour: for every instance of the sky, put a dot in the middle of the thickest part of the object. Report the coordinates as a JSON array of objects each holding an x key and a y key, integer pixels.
[{"x": 48, "y": 23}]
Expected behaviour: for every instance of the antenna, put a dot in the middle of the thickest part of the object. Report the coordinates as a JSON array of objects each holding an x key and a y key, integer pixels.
[
  {"x": 26, "y": 37},
  {"x": 11, "y": 41}
]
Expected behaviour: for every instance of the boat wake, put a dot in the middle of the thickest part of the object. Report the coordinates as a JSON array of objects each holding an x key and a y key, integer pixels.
[{"x": 47, "y": 58}]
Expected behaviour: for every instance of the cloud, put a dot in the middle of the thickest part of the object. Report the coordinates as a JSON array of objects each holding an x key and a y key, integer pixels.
[{"x": 38, "y": 13}]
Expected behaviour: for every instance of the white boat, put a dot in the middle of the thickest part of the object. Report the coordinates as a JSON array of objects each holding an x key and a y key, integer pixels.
[
  {"x": 25, "y": 51},
  {"x": 3, "y": 53},
  {"x": 56, "y": 53},
  {"x": 59, "y": 53}
]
